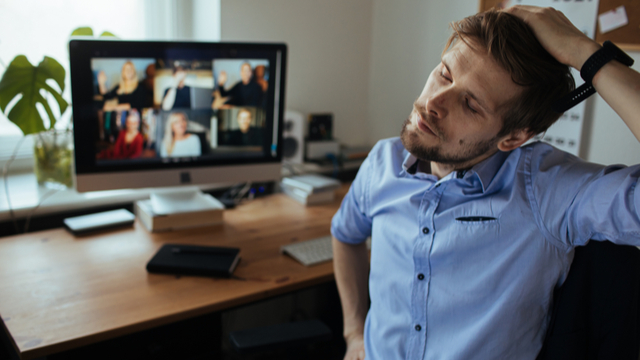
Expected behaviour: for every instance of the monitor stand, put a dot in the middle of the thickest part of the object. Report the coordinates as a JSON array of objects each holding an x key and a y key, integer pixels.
[{"x": 179, "y": 200}]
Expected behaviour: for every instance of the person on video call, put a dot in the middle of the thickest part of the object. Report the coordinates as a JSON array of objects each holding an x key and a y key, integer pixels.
[
  {"x": 178, "y": 95},
  {"x": 246, "y": 134},
  {"x": 245, "y": 92},
  {"x": 470, "y": 232},
  {"x": 177, "y": 142},
  {"x": 130, "y": 140},
  {"x": 127, "y": 94}
]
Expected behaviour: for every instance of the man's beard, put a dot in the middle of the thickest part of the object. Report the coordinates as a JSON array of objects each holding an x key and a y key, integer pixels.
[{"x": 467, "y": 152}]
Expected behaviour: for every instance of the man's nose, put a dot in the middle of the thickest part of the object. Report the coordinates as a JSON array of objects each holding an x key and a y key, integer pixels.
[{"x": 437, "y": 104}]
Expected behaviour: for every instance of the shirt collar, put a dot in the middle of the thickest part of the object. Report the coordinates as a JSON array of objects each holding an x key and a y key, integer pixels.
[
  {"x": 408, "y": 166},
  {"x": 485, "y": 170}
]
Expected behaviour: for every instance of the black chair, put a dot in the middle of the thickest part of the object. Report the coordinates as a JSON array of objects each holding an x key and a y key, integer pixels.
[
  {"x": 205, "y": 147},
  {"x": 596, "y": 311}
]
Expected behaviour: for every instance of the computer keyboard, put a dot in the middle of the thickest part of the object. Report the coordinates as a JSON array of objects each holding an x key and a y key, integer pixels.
[{"x": 312, "y": 252}]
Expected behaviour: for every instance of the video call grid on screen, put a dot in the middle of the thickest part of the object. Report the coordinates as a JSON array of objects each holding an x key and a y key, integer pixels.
[{"x": 153, "y": 105}]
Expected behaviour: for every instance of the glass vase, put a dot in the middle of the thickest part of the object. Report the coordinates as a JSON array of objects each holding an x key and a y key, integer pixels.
[{"x": 53, "y": 156}]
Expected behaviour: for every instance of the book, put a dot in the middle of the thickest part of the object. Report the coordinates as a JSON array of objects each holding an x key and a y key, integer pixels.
[
  {"x": 181, "y": 259},
  {"x": 156, "y": 222},
  {"x": 306, "y": 198},
  {"x": 311, "y": 183}
]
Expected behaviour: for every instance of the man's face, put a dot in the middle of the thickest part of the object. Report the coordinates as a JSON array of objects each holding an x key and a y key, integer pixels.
[
  {"x": 245, "y": 73},
  {"x": 244, "y": 121},
  {"x": 457, "y": 117}
]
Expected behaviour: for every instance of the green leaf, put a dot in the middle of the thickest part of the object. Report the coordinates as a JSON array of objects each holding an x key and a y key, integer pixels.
[
  {"x": 23, "y": 78},
  {"x": 82, "y": 31},
  {"x": 107, "y": 34}
]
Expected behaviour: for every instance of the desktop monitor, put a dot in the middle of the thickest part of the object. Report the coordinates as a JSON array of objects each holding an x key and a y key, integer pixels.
[{"x": 162, "y": 114}]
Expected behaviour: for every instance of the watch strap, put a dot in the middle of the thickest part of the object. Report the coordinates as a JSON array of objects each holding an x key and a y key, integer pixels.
[
  {"x": 605, "y": 54},
  {"x": 589, "y": 69},
  {"x": 573, "y": 98}
]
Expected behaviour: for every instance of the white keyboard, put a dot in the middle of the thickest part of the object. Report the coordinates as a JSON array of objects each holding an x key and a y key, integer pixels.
[{"x": 312, "y": 252}]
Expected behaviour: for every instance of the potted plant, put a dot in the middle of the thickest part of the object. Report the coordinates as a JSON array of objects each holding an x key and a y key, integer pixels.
[{"x": 53, "y": 148}]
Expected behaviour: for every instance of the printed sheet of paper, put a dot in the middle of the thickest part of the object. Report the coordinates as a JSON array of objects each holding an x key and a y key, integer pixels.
[
  {"x": 566, "y": 132},
  {"x": 613, "y": 19}
]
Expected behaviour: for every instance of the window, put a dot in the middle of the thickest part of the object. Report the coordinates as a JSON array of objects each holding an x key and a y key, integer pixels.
[{"x": 36, "y": 28}]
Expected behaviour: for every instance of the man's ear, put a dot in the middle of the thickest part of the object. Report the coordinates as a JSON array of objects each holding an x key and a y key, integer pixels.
[{"x": 514, "y": 140}]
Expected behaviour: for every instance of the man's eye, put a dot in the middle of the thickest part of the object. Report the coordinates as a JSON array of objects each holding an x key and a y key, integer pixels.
[
  {"x": 469, "y": 106},
  {"x": 444, "y": 75}
]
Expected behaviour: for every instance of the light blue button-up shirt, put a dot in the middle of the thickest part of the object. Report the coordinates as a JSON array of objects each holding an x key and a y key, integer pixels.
[{"x": 464, "y": 267}]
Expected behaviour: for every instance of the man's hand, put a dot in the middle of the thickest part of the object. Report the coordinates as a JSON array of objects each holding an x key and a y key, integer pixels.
[
  {"x": 178, "y": 77},
  {"x": 355, "y": 348},
  {"x": 618, "y": 85},
  {"x": 557, "y": 34},
  {"x": 219, "y": 102},
  {"x": 222, "y": 78},
  {"x": 102, "y": 82}
]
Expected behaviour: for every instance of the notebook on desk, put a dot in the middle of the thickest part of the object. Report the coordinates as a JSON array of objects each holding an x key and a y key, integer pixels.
[{"x": 194, "y": 260}]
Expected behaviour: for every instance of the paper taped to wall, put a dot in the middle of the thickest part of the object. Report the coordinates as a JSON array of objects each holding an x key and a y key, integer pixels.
[{"x": 613, "y": 19}]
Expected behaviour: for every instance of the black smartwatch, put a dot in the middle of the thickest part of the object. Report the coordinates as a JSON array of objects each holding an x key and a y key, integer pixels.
[{"x": 596, "y": 61}]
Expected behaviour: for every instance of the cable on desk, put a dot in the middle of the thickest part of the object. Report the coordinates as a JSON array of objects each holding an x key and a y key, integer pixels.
[
  {"x": 5, "y": 172},
  {"x": 42, "y": 199}
]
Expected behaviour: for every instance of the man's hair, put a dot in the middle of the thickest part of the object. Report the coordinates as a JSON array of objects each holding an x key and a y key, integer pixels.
[{"x": 514, "y": 46}]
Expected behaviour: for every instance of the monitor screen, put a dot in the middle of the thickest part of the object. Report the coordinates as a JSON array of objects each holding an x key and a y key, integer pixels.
[{"x": 152, "y": 114}]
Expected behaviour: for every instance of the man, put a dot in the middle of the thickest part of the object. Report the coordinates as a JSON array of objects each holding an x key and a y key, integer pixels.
[
  {"x": 471, "y": 232},
  {"x": 245, "y": 135},
  {"x": 245, "y": 92},
  {"x": 178, "y": 95}
]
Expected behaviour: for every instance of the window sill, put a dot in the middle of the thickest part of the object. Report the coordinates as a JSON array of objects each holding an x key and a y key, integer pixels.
[{"x": 25, "y": 194}]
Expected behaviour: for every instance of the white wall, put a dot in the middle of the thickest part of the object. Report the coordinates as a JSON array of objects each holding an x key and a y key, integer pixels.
[
  {"x": 329, "y": 49},
  {"x": 609, "y": 140},
  {"x": 367, "y": 61},
  {"x": 408, "y": 38}
]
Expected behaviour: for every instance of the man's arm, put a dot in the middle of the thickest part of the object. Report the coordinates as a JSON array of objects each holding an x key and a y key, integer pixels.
[
  {"x": 618, "y": 85},
  {"x": 351, "y": 267},
  {"x": 169, "y": 99}
]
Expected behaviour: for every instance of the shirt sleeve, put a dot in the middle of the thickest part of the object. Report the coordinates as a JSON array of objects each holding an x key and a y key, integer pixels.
[
  {"x": 577, "y": 201},
  {"x": 352, "y": 223}
]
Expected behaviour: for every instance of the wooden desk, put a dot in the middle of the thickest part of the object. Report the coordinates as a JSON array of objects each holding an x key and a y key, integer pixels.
[{"x": 59, "y": 292}]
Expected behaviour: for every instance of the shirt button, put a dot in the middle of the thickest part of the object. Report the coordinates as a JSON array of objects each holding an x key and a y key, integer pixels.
[
  {"x": 418, "y": 327},
  {"x": 420, "y": 277},
  {"x": 425, "y": 230},
  {"x": 437, "y": 185}
]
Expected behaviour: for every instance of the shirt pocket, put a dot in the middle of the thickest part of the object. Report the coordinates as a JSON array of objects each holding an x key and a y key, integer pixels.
[{"x": 476, "y": 220}]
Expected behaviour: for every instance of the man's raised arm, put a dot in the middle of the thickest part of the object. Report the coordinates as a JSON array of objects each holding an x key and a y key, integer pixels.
[{"x": 618, "y": 84}]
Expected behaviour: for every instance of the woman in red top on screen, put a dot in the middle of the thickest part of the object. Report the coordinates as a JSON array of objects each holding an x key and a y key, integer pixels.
[{"x": 130, "y": 141}]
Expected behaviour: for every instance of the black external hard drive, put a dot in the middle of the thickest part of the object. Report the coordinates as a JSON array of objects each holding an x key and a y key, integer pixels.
[{"x": 99, "y": 221}]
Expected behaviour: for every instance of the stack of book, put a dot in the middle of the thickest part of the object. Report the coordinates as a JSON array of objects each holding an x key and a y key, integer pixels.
[
  {"x": 206, "y": 215},
  {"x": 310, "y": 189}
]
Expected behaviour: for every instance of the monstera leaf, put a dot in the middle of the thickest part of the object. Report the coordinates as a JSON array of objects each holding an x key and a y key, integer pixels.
[
  {"x": 82, "y": 31},
  {"x": 87, "y": 31},
  {"x": 23, "y": 78}
]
